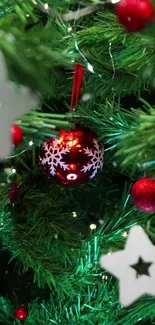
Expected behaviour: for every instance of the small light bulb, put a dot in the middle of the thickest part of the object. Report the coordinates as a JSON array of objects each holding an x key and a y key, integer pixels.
[
  {"x": 86, "y": 97},
  {"x": 2, "y": 223},
  {"x": 115, "y": 1},
  {"x": 46, "y": 6},
  {"x": 92, "y": 226},
  {"x": 90, "y": 67},
  {"x": 13, "y": 170},
  {"x": 74, "y": 214},
  {"x": 73, "y": 60},
  {"x": 27, "y": 15},
  {"x": 31, "y": 143},
  {"x": 69, "y": 29},
  {"x": 124, "y": 234},
  {"x": 114, "y": 164},
  {"x": 104, "y": 277}
]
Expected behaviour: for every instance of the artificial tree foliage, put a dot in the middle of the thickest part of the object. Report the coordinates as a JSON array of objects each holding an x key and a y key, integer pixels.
[{"x": 46, "y": 241}]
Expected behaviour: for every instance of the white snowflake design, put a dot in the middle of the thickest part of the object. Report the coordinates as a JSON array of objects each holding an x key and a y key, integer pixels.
[
  {"x": 96, "y": 159},
  {"x": 53, "y": 157}
]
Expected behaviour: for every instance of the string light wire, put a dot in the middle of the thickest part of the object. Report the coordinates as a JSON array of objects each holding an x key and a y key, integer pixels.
[{"x": 88, "y": 64}]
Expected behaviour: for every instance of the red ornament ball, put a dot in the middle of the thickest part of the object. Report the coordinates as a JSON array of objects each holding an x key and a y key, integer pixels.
[
  {"x": 143, "y": 194},
  {"x": 16, "y": 135},
  {"x": 134, "y": 15},
  {"x": 74, "y": 158},
  {"x": 21, "y": 313}
]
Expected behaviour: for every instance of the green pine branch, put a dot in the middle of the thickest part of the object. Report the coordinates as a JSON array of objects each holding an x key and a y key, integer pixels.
[
  {"x": 130, "y": 134},
  {"x": 128, "y": 64}
]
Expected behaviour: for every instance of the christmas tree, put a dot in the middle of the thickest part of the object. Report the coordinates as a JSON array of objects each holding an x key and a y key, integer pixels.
[{"x": 77, "y": 177}]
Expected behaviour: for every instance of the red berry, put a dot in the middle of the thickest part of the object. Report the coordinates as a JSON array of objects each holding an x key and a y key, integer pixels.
[
  {"x": 143, "y": 194},
  {"x": 21, "y": 313},
  {"x": 134, "y": 15},
  {"x": 16, "y": 135}
]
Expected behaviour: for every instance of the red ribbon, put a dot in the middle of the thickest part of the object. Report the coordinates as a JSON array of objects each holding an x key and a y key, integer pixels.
[{"x": 77, "y": 84}]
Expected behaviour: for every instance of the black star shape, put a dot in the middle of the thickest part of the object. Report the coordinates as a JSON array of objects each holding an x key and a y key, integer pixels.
[{"x": 141, "y": 267}]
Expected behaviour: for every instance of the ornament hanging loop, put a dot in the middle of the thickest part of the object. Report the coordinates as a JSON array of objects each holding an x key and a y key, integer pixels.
[{"x": 77, "y": 84}]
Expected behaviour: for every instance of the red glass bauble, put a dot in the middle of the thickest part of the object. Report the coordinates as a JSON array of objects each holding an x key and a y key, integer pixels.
[
  {"x": 74, "y": 158},
  {"x": 134, "y": 15},
  {"x": 16, "y": 135},
  {"x": 14, "y": 192},
  {"x": 21, "y": 313},
  {"x": 143, "y": 194}
]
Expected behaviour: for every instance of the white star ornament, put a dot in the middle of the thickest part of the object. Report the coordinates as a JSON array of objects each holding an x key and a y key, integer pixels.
[
  {"x": 121, "y": 264},
  {"x": 14, "y": 102}
]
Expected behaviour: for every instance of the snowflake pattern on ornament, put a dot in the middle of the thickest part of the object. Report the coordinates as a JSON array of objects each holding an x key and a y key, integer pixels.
[
  {"x": 96, "y": 159},
  {"x": 53, "y": 157}
]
